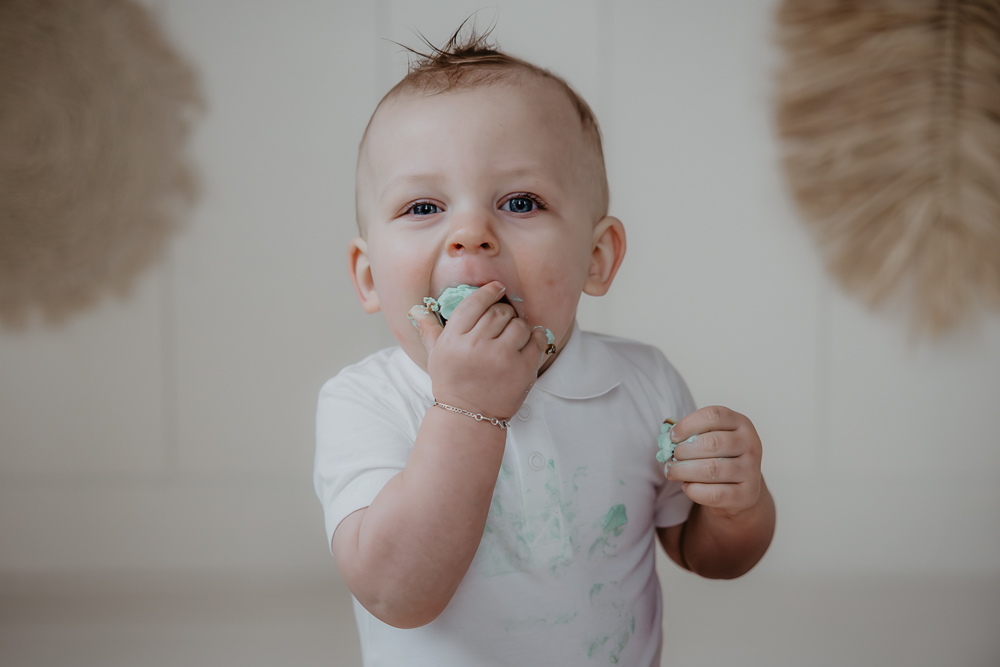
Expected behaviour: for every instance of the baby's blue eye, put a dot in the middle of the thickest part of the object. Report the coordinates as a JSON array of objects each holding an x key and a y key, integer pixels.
[
  {"x": 423, "y": 208},
  {"x": 519, "y": 205}
]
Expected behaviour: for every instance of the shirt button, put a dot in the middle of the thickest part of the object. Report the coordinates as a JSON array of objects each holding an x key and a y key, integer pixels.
[
  {"x": 524, "y": 412},
  {"x": 536, "y": 461}
]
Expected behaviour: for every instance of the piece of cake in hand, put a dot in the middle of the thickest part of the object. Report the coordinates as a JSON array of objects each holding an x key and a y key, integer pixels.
[
  {"x": 445, "y": 305},
  {"x": 667, "y": 446}
]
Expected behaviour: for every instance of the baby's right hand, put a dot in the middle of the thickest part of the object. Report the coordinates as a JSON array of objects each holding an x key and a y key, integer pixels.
[{"x": 486, "y": 359}]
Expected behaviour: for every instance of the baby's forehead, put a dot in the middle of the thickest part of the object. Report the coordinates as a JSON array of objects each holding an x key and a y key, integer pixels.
[
  {"x": 399, "y": 106},
  {"x": 536, "y": 108}
]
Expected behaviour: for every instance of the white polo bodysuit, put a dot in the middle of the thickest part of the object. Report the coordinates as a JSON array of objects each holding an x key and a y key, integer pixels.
[{"x": 565, "y": 573}]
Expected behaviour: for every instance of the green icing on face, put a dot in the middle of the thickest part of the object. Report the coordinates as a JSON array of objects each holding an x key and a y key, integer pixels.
[
  {"x": 550, "y": 337},
  {"x": 451, "y": 297}
]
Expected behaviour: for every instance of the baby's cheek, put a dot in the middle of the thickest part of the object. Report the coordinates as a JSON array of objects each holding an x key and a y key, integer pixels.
[{"x": 559, "y": 276}]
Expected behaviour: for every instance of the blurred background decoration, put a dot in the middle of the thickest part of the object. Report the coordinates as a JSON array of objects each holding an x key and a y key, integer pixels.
[
  {"x": 889, "y": 112},
  {"x": 95, "y": 107}
]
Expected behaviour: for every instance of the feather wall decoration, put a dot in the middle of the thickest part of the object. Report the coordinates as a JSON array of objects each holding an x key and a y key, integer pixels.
[
  {"x": 889, "y": 113},
  {"x": 95, "y": 107}
]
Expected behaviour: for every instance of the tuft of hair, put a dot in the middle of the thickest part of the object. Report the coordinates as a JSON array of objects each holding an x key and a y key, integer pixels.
[{"x": 469, "y": 60}]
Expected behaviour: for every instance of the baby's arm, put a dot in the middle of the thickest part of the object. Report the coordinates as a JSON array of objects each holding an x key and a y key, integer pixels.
[
  {"x": 732, "y": 522},
  {"x": 404, "y": 556}
]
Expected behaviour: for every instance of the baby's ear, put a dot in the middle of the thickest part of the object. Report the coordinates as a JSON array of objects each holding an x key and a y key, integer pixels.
[
  {"x": 360, "y": 268},
  {"x": 606, "y": 255}
]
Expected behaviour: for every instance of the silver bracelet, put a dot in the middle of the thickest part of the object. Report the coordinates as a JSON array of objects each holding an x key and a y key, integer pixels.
[{"x": 502, "y": 424}]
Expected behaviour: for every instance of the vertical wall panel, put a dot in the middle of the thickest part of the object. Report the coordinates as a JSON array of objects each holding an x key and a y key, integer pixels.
[
  {"x": 903, "y": 406},
  {"x": 85, "y": 397},
  {"x": 718, "y": 274},
  {"x": 265, "y": 312}
]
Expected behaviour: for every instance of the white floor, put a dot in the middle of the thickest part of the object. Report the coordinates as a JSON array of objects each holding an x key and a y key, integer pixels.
[{"x": 758, "y": 620}]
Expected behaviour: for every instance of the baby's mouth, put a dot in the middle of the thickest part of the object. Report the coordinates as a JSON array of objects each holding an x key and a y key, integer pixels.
[
  {"x": 444, "y": 305},
  {"x": 450, "y": 297}
]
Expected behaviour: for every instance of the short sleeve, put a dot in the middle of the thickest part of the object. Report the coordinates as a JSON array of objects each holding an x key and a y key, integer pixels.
[
  {"x": 364, "y": 434},
  {"x": 672, "y": 505}
]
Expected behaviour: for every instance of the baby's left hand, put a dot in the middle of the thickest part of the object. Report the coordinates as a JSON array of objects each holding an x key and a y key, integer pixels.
[{"x": 720, "y": 468}]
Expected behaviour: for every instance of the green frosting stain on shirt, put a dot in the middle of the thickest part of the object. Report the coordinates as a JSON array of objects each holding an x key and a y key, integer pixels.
[
  {"x": 609, "y": 602},
  {"x": 621, "y": 641},
  {"x": 595, "y": 590},
  {"x": 596, "y": 647},
  {"x": 538, "y": 623},
  {"x": 613, "y": 525},
  {"x": 615, "y": 520},
  {"x": 527, "y": 536}
]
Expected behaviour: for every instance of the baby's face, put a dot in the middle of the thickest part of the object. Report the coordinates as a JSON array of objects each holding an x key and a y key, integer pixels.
[{"x": 496, "y": 183}]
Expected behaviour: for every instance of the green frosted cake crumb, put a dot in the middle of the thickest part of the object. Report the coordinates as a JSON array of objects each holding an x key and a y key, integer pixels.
[
  {"x": 451, "y": 297},
  {"x": 667, "y": 446},
  {"x": 445, "y": 304}
]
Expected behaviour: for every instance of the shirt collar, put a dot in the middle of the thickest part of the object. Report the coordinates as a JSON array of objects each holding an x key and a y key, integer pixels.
[{"x": 583, "y": 369}]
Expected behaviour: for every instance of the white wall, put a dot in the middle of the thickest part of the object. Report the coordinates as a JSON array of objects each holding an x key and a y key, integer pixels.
[{"x": 173, "y": 429}]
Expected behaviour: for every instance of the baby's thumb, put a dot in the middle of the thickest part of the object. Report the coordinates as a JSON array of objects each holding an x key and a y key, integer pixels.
[{"x": 426, "y": 324}]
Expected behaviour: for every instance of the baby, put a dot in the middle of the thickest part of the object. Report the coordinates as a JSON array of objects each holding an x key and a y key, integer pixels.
[{"x": 493, "y": 496}]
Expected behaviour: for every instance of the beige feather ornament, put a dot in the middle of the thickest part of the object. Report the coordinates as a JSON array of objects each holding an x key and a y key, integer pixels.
[
  {"x": 95, "y": 107},
  {"x": 889, "y": 112}
]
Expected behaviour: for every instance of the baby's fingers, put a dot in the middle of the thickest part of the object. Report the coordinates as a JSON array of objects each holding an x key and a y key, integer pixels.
[
  {"x": 712, "y": 418},
  {"x": 709, "y": 471},
  {"x": 718, "y": 496},
  {"x": 467, "y": 314},
  {"x": 530, "y": 342},
  {"x": 712, "y": 445},
  {"x": 426, "y": 325}
]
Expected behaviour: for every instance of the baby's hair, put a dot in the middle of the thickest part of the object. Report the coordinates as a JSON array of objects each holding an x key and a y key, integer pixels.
[{"x": 473, "y": 61}]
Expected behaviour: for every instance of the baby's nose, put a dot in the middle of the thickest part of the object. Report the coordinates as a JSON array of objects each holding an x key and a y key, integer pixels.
[{"x": 473, "y": 235}]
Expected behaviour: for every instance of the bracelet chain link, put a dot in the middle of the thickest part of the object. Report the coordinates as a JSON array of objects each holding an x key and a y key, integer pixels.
[{"x": 502, "y": 424}]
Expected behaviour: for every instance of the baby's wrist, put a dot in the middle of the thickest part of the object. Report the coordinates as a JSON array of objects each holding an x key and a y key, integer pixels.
[{"x": 502, "y": 423}]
